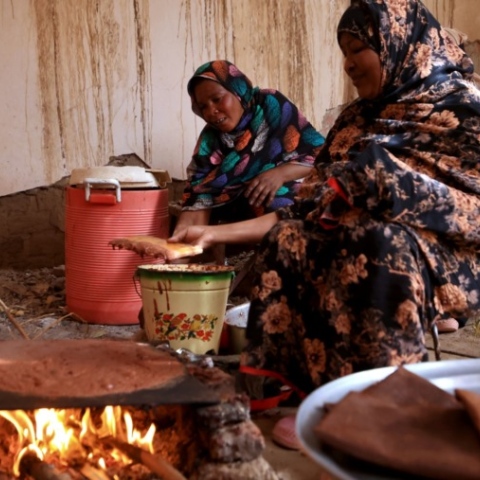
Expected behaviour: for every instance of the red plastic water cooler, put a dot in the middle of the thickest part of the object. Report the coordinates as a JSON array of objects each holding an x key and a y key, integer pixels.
[{"x": 104, "y": 203}]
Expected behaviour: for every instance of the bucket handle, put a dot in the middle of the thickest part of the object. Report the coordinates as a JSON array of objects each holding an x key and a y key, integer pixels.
[
  {"x": 101, "y": 181},
  {"x": 135, "y": 278}
]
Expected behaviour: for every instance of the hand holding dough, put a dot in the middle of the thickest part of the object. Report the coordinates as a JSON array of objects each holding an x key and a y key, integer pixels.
[{"x": 156, "y": 247}]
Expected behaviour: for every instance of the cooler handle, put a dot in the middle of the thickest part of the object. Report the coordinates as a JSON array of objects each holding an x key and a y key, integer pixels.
[
  {"x": 100, "y": 181},
  {"x": 135, "y": 278}
]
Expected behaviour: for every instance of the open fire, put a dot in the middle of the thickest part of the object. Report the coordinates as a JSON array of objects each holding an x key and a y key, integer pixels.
[
  {"x": 115, "y": 410},
  {"x": 90, "y": 442}
]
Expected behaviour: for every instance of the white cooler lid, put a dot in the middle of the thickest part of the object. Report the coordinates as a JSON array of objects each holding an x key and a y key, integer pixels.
[{"x": 128, "y": 177}]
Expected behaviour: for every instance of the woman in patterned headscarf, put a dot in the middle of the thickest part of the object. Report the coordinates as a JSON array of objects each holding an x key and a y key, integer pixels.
[
  {"x": 385, "y": 236},
  {"x": 252, "y": 152}
]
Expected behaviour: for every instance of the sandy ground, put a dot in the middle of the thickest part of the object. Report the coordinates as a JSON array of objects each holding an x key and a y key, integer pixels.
[
  {"x": 35, "y": 301},
  {"x": 33, "y": 305}
]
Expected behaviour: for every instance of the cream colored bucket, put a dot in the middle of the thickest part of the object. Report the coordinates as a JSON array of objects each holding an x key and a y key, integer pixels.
[{"x": 185, "y": 304}]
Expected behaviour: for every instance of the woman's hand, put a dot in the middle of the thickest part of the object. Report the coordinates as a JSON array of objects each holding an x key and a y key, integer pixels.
[
  {"x": 206, "y": 236},
  {"x": 262, "y": 189},
  {"x": 188, "y": 218},
  {"x": 201, "y": 235}
]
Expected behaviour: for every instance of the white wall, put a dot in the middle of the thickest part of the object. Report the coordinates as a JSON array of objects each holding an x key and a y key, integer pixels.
[
  {"x": 84, "y": 80},
  {"x": 83, "y": 83}
]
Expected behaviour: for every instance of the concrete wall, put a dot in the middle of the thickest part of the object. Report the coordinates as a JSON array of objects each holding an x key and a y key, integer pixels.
[
  {"x": 32, "y": 233},
  {"x": 83, "y": 80}
]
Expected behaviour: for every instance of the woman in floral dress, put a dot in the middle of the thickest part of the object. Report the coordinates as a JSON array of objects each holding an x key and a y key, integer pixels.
[{"x": 384, "y": 236}]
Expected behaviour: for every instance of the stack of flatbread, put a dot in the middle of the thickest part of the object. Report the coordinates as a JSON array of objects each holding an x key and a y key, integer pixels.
[
  {"x": 156, "y": 247},
  {"x": 407, "y": 424}
]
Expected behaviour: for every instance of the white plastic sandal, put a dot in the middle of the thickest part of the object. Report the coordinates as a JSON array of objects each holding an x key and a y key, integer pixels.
[
  {"x": 447, "y": 325},
  {"x": 283, "y": 433}
]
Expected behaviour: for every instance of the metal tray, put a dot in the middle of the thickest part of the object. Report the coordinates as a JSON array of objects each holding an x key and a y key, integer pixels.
[{"x": 446, "y": 374}]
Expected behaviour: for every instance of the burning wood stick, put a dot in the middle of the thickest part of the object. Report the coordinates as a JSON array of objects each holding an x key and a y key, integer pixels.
[
  {"x": 4, "y": 476},
  {"x": 92, "y": 473},
  {"x": 15, "y": 323},
  {"x": 74, "y": 474},
  {"x": 155, "y": 464},
  {"x": 40, "y": 470}
]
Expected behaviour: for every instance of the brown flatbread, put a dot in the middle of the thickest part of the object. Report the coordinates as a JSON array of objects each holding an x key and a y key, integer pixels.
[
  {"x": 398, "y": 387},
  {"x": 156, "y": 247},
  {"x": 407, "y": 424},
  {"x": 471, "y": 402}
]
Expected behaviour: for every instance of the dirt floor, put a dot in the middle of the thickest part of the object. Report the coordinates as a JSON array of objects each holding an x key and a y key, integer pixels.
[{"x": 33, "y": 305}]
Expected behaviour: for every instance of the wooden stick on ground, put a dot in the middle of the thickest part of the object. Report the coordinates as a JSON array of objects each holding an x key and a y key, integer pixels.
[
  {"x": 153, "y": 462},
  {"x": 13, "y": 321},
  {"x": 34, "y": 319},
  {"x": 53, "y": 324}
]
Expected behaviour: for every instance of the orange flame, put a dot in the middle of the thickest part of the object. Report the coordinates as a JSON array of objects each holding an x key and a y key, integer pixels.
[{"x": 73, "y": 437}]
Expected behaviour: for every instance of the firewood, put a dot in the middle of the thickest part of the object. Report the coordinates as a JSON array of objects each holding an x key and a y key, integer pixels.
[
  {"x": 40, "y": 470},
  {"x": 92, "y": 473},
  {"x": 74, "y": 474},
  {"x": 52, "y": 325},
  {"x": 15, "y": 323},
  {"x": 154, "y": 463},
  {"x": 4, "y": 476}
]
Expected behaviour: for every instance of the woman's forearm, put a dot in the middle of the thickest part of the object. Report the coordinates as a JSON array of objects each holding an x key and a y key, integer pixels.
[
  {"x": 206, "y": 236},
  {"x": 196, "y": 217},
  {"x": 294, "y": 171},
  {"x": 248, "y": 231}
]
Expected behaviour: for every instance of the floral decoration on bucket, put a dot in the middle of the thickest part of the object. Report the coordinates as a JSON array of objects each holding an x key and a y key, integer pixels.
[{"x": 180, "y": 326}]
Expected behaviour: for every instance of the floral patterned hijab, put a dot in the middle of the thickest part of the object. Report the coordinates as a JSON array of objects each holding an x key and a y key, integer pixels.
[
  {"x": 272, "y": 131},
  {"x": 428, "y": 114},
  {"x": 357, "y": 22},
  {"x": 410, "y": 156}
]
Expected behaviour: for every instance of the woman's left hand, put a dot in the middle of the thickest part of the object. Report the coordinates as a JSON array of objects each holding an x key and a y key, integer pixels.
[{"x": 262, "y": 189}]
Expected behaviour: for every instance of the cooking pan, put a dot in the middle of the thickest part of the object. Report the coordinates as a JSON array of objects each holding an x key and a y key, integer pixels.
[
  {"x": 185, "y": 390},
  {"x": 49, "y": 373}
]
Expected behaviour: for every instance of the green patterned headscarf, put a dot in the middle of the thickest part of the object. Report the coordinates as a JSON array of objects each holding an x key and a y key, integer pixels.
[{"x": 271, "y": 132}]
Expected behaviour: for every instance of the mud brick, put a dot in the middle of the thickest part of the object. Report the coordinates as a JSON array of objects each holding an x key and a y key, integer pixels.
[
  {"x": 233, "y": 410},
  {"x": 255, "y": 470},
  {"x": 239, "y": 442}
]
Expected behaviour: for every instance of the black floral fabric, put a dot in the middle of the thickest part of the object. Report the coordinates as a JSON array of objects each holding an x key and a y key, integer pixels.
[{"x": 384, "y": 236}]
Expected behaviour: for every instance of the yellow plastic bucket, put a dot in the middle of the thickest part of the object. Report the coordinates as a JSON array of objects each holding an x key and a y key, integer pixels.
[{"x": 185, "y": 304}]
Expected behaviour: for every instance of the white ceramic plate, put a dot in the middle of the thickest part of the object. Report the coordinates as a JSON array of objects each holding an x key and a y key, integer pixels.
[
  {"x": 238, "y": 316},
  {"x": 446, "y": 374}
]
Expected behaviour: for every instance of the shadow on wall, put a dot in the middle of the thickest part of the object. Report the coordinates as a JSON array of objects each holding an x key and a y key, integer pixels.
[
  {"x": 33, "y": 221},
  {"x": 32, "y": 233},
  {"x": 33, "y": 225},
  {"x": 473, "y": 49}
]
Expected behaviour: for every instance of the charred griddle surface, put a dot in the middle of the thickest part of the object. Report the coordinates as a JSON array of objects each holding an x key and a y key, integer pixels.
[{"x": 90, "y": 373}]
